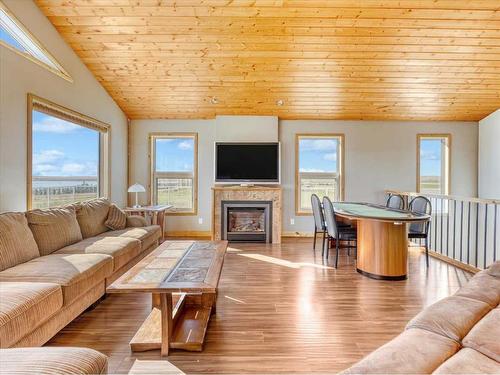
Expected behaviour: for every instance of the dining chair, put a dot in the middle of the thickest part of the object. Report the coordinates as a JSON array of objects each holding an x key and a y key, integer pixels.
[
  {"x": 319, "y": 219},
  {"x": 336, "y": 232},
  {"x": 421, "y": 205},
  {"x": 395, "y": 201}
]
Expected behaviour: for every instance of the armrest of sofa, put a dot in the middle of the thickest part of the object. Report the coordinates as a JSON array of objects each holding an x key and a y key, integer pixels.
[{"x": 136, "y": 221}]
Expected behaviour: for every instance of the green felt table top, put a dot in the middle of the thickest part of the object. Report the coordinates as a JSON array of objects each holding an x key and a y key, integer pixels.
[{"x": 372, "y": 211}]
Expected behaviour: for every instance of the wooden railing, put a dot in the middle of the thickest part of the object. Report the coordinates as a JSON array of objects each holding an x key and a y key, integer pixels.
[{"x": 463, "y": 230}]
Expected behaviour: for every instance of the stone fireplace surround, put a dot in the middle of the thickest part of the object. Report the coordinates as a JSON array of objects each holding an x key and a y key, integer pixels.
[{"x": 246, "y": 193}]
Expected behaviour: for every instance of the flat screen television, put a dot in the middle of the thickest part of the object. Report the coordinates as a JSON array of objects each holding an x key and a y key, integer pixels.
[{"x": 247, "y": 162}]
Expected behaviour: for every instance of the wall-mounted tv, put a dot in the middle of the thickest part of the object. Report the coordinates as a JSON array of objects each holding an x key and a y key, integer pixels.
[{"x": 247, "y": 162}]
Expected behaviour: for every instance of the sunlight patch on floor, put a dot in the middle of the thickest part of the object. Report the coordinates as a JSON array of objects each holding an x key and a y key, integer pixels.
[
  {"x": 235, "y": 300},
  {"x": 285, "y": 263},
  {"x": 160, "y": 367},
  {"x": 233, "y": 250}
]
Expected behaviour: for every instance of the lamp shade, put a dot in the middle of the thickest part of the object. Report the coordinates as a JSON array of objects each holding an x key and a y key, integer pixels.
[{"x": 136, "y": 188}]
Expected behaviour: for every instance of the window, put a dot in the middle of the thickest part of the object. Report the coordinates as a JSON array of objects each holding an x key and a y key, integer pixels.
[
  {"x": 174, "y": 170},
  {"x": 433, "y": 163},
  {"x": 68, "y": 155},
  {"x": 16, "y": 37},
  {"x": 319, "y": 169}
]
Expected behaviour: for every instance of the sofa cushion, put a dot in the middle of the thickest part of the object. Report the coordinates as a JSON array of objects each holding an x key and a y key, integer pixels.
[
  {"x": 136, "y": 221},
  {"x": 52, "y": 360},
  {"x": 17, "y": 244},
  {"x": 485, "y": 336},
  {"x": 469, "y": 361},
  {"x": 25, "y": 306},
  {"x": 482, "y": 287},
  {"x": 147, "y": 235},
  {"x": 122, "y": 249},
  {"x": 92, "y": 215},
  {"x": 117, "y": 219},
  {"x": 494, "y": 269},
  {"x": 54, "y": 228},
  {"x": 415, "y": 351},
  {"x": 452, "y": 317},
  {"x": 76, "y": 273}
]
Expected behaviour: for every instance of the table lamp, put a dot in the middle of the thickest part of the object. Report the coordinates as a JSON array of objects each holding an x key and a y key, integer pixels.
[{"x": 136, "y": 188}]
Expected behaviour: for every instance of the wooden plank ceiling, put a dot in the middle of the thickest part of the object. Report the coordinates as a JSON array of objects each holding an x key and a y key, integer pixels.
[{"x": 330, "y": 59}]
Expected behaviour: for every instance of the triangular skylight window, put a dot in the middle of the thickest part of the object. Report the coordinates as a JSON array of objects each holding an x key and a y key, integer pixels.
[{"x": 16, "y": 37}]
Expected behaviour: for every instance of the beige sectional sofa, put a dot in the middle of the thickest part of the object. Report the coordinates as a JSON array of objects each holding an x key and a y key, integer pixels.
[
  {"x": 456, "y": 335},
  {"x": 52, "y": 361},
  {"x": 55, "y": 263}
]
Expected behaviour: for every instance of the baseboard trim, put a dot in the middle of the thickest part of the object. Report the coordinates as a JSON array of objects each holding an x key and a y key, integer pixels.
[
  {"x": 200, "y": 233},
  {"x": 456, "y": 263},
  {"x": 297, "y": 234}
]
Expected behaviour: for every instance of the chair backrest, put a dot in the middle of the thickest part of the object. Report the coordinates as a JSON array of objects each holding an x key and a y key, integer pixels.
[
  {"x": 319, "y": 218},
  {"x": 331, "y": 223},
  {"x": 395, "y": 201},
  {"x": 420, "y": 205}
]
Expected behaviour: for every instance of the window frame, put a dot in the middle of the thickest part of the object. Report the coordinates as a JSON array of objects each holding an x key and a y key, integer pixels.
[
  {"x": 39, "y": 104},
  {"x": 447, "y": 173},
  {"x": 153, "y": 174},
  {"x": 56, "y": 69},
  {"x": 341, "y": 167}
]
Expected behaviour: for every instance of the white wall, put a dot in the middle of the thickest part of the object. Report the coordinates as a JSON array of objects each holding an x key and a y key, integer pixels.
[
  {"x": 139, "y": 166},
  {"x": 489, "y": 157},
  {"x": 378, "y": 156},
  {"x": 19, "y": 76},
  {"x": 246, "y": 129}
]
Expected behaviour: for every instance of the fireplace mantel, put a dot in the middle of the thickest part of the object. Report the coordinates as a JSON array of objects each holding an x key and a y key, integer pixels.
[{"x": 246, "y": 193}]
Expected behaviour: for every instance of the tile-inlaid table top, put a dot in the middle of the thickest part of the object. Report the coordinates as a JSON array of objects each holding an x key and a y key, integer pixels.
[{"x": 175, "y": 266}]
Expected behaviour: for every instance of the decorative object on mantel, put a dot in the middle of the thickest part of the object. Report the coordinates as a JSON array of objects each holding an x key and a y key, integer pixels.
[
  {"x": 238, "y": 193},
  {"x": 136, "y": 188}
]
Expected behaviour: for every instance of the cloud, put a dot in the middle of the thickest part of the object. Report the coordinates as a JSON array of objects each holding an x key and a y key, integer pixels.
[
  {"x": 47, "y": 156},
  {"x": 56, "y": 163},
  {"x": 312, "y": 170},
  {"x": 43, "y": 169},
  {"x": 318, "y": 144},
  {"x": 330, "y": 157},
  {"x": 185, "y": 145},
  {"x": 164, "y": 140},
  {"x": 54, "y": 125},
  {"x": 429, "y": 155},
  {"x": 73, "y": 168}
]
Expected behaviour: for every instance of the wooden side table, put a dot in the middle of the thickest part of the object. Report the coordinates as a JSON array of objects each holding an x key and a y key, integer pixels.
[{"x": 156, "y": 213}]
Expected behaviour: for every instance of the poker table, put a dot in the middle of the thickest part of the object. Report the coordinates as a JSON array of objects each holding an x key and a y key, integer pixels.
[{"x": 382, "y": 246}]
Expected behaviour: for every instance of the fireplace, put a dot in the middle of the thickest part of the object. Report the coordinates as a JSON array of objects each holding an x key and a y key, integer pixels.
[{"x": 246, "y": 221}]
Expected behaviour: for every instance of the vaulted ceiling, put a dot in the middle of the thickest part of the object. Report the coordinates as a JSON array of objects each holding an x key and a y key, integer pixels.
[{"x": 330, "y": 59}]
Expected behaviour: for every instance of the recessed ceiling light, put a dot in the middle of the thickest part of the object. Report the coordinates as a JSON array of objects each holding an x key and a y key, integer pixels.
[
  {"x": 280, "y": 102},
  {"x": 214, "y": 100}
]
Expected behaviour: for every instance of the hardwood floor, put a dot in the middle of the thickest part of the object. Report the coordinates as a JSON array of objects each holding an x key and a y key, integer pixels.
[{"x": 279, "y": 309}]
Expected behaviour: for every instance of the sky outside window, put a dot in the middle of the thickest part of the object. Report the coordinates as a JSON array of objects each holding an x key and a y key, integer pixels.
[
  {"x": 174, "y": 155},
  {"x": 61, "y": 148},
  {"x": 318, "y": 155},
  {"x": 430, "y": 157},
  {"x": 8, "y": 39}
]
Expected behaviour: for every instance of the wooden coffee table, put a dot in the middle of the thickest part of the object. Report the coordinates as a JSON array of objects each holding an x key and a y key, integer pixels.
[{"x": 182, "y": 277}]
